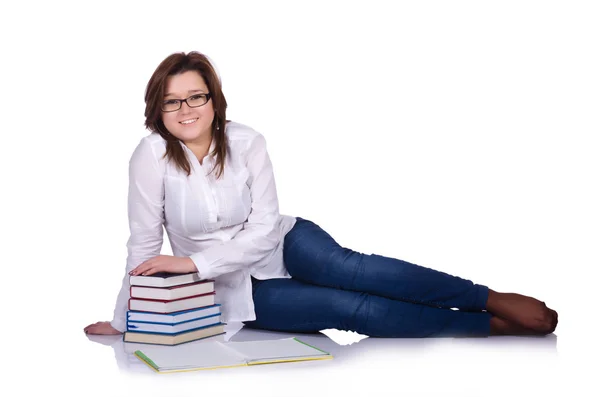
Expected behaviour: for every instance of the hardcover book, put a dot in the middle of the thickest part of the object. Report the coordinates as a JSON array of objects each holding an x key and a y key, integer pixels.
[
  {"x": 175, "y": 317},
  {"x": 164, "y": 306},
  {"x": 171, "y": 329},
  {"x": 165, "y": 279},
  {"x": 175, "y": 339},
  {"x": 172, "y": 293}
]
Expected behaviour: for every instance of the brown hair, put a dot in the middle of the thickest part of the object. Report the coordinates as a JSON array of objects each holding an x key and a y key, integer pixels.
[{"x": 175, "y": 64}]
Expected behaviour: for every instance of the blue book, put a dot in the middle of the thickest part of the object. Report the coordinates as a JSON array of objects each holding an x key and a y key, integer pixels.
[
  {"x": 172, "y": 329},
  {"x": 175, "y": 317}
]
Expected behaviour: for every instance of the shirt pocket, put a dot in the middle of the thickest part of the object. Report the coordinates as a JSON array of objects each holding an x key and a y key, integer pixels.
[
  {"x": 234, "y": 197},
  {"x": 234, "y": 179}
]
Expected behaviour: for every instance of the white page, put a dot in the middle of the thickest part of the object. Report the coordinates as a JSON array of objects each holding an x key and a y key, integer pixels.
[
  {"x": 186, "y": 356},
  {"x": 274, "y": 349}
]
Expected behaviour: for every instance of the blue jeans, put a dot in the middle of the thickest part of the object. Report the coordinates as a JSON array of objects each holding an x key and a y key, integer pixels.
[{"x": 335, "y": 287}]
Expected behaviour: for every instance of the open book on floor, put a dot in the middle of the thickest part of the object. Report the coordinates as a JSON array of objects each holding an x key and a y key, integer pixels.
[{"x": 216, "y": 354}]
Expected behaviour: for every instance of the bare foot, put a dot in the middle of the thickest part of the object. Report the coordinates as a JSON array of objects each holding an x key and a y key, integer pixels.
[
  {"x": 523, "y": 311},
  {"x": 101, "y": 328}
]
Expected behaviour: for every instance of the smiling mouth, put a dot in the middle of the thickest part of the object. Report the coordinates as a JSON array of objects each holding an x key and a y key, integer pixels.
[{"x": 188, "y": 122}]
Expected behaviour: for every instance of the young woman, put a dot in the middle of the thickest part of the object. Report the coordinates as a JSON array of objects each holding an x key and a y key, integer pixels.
[{"x": 209, "y": 182}]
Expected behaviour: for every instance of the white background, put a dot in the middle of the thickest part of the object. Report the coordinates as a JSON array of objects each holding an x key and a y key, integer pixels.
[{"x": 460, "y": 135}]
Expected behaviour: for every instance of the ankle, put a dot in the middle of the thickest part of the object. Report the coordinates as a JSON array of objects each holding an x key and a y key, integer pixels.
[
  {"x": 492, "y": 301},
  {"x": 496, "y": 327}
]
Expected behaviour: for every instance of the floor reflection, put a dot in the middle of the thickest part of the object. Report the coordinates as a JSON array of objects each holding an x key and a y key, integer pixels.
[{"x": 395, "y": 347}]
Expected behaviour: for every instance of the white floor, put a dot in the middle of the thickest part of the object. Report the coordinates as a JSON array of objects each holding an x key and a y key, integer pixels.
[{"x": 437, "y": 366}]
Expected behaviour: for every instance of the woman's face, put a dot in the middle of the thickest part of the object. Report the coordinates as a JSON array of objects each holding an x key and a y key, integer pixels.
[{"x": 189, "y": 124}]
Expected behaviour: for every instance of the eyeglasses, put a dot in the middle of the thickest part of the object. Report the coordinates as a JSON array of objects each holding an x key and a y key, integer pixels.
[{"x": 196, "y": 100}]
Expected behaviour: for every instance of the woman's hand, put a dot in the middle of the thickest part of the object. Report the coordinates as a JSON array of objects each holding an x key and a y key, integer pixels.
[
  {"x": 165, "y": 263},
  {"x": 101, "y": 328}
]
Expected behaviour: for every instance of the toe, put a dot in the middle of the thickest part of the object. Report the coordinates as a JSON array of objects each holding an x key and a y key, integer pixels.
[
  {"x": 554, "y": 319},
  {"x": 548, "y": 323}
]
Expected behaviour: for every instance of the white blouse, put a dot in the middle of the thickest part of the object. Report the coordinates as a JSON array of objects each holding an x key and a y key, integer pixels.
[{"x": 231, "y": 227}]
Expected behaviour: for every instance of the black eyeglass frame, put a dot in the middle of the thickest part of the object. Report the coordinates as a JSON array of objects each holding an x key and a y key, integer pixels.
[{"x": 208, "y": 96}]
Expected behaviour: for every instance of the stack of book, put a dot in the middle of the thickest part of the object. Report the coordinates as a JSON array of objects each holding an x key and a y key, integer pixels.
[{"x": 169, "y": 309}]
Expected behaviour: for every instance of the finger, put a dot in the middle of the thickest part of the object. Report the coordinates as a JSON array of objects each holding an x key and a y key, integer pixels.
[
  {"x": 135, "y": 271},
  {"x": 140, "y": 269},
  {"x": 151, "y": 271},
  {"x": 155, "y": 269},
  {"x": 144, "y": 266}
]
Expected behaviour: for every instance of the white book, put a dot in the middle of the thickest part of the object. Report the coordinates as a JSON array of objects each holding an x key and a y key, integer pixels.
[
  {"x": 172, "y": 293},
  {"x": 173, "y": 318},
  {"x": 173, "y": 328},
  {"x": 217, "y": 354},
  {"x": 164, "y": 279}
]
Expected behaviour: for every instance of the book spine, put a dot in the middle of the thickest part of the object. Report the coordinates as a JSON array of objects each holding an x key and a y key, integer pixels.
[
  {"x": 130, "y": 328},
  {"x": 174, "y": 300},
  {"x": 172, "y": 324}
]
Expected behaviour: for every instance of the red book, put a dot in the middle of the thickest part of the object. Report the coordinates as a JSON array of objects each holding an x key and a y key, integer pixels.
[
  {"x": 172, "y": 293},
  {"x": 171, "y": 306}
]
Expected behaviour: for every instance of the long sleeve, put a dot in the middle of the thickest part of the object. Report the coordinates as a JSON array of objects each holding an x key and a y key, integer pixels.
[
  {"x": 145, "y": 207},
  {"x": 260, "y": 234}
]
